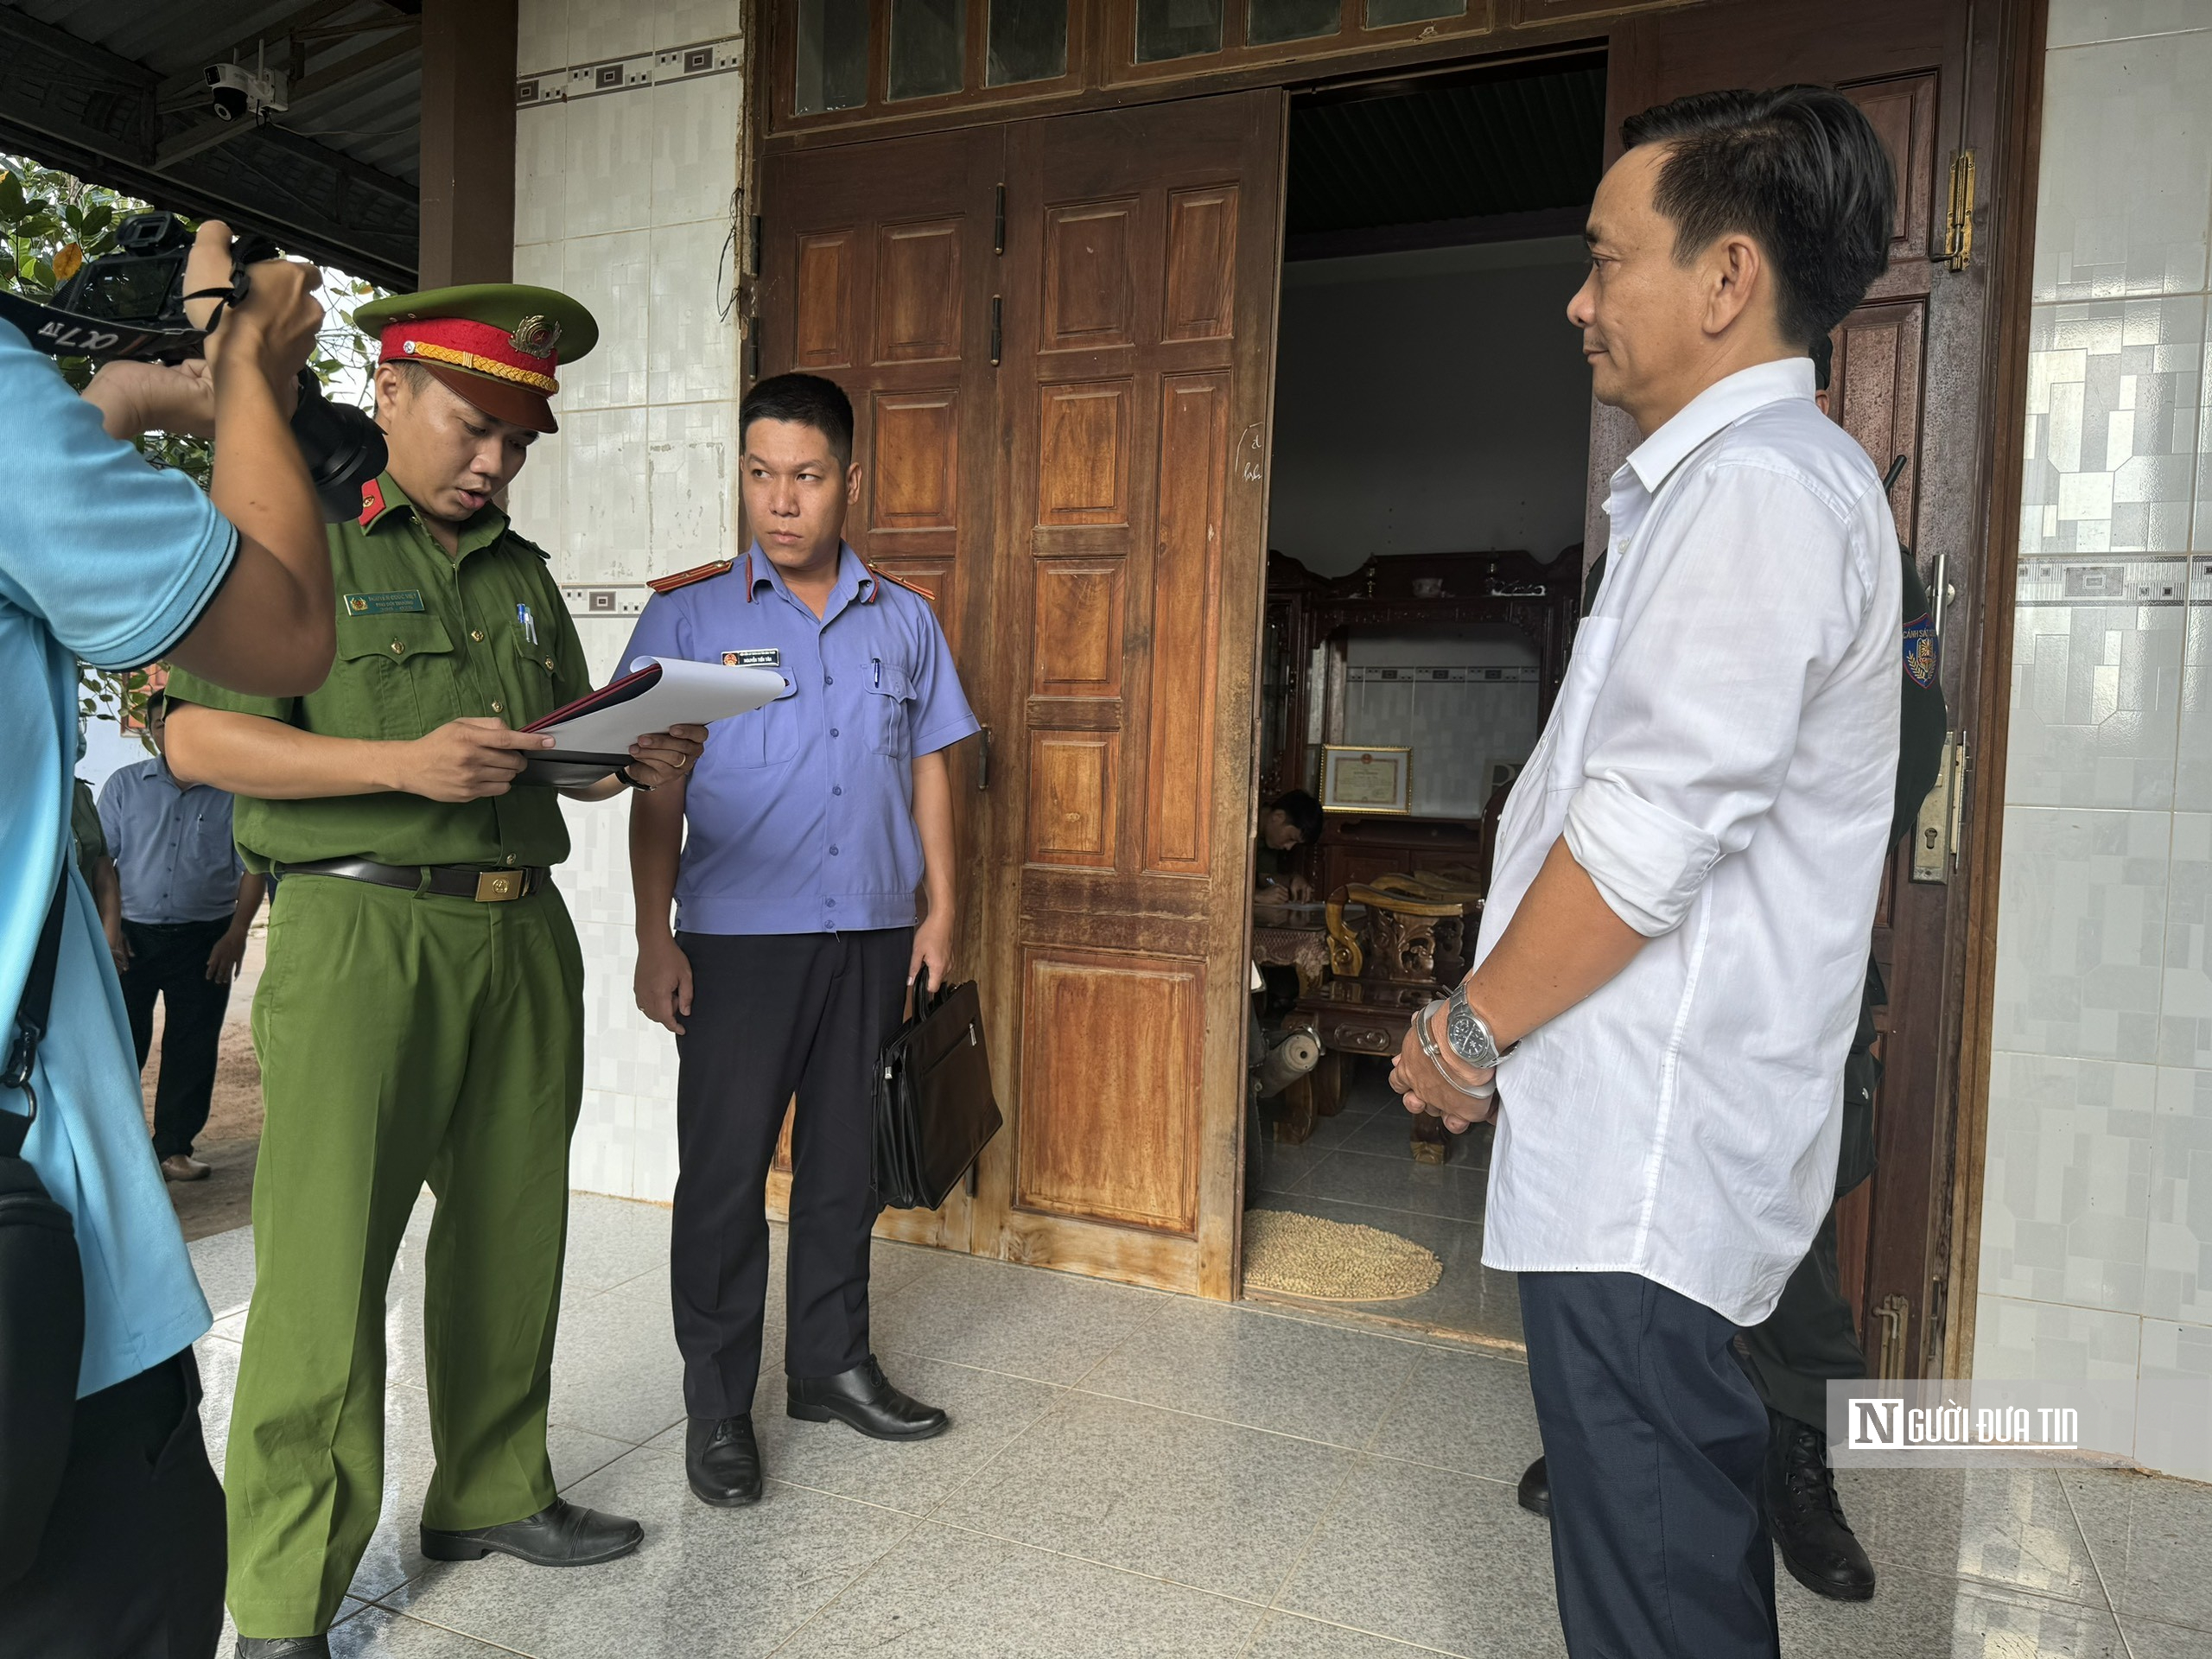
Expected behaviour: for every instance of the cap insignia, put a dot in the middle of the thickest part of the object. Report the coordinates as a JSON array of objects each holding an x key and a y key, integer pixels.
[{"x": 536, "y": 335}]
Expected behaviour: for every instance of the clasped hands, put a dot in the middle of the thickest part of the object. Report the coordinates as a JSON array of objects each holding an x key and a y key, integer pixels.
[{"x": 1434, "y": 1080}]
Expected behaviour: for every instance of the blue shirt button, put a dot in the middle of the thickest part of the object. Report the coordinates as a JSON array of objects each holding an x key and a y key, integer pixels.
[
  {"x": 832, "y": 902},
  {"x": 828, "y": 679},
  {"x": 837, "y": 789},
  {"x": 833, "y": 852},
  {"x": 833, "y": 731}
]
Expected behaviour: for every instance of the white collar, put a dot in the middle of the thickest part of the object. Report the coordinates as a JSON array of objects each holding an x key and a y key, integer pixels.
[{"x": 1720, "y": 404}]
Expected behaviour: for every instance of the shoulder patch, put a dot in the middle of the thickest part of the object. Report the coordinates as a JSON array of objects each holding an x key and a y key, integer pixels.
[
  {"x": 685, "y": 578},
  {"x": 881, "y": 574},
  {"x": 1920, "y": 650},
  {"x": 371, "y": 503}
]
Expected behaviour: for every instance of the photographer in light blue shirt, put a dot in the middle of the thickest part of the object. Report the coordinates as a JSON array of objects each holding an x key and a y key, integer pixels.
[{"x": 106, "y": 560}]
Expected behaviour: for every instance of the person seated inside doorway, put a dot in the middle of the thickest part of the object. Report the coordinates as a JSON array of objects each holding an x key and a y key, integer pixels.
[{"x": 1291, "y": 820}]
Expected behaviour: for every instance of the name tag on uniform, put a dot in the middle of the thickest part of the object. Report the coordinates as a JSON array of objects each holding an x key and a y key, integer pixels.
[
  {"x": 761, "y": 657},
  {"x": 406, "y": 599}
]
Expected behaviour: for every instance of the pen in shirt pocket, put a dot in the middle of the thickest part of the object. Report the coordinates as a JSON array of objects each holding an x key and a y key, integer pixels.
[
  {"x": 528, "y": 623},
  {"x": 875, "y": 667}
]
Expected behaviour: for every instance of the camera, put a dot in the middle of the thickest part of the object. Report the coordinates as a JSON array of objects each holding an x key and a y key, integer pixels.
[
  {"x": 130, "y": 304},
  {"x": 237, "y": 91}
]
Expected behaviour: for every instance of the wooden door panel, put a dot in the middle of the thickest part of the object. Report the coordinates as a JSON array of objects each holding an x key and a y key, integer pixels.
[
  {"x": 917, "y": 471},
  {"x": 1110, "y": 1133},
  {"x": 1201, "y": 265},
  {"x": 1078, "y": 629},
  {"x": 823, "y": 299},
  {"x": 1090, "y": 298},
  {"x": 918, "y": 291},
  {"x": 1875, "y": 390},
  {"x": 1140, "y": 271},
  {"x": 876, "y": 270},
  {"x": 1193, "y": 474},
  {"x": 1083, "y": 454},
  {"x": 1074, "y": 787}
]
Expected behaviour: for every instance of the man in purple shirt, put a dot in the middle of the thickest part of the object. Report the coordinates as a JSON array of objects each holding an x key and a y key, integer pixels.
[{"x": 811, "y": 823}]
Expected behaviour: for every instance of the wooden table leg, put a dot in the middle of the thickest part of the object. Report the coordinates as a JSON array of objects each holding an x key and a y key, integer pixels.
[
  {"x": 1431, "y": 1142},
  {"x": 1295, "y": 1125},
  {"x": 1331, "y": 1078}
]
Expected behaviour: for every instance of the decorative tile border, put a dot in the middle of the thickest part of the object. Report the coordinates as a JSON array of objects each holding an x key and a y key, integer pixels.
[
  {"x": 2078, "y": 581},
  {"x": 677, "y": 63},
  {"x": 1371, "y": 674}
]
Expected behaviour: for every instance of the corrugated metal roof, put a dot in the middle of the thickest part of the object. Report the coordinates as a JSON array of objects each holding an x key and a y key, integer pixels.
[
  {"x": 371, "y": 115},
  {"x": 1469, "y": 151}
]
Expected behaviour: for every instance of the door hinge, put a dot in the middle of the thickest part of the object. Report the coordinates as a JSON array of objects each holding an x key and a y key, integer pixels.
[
  {"x": 983, "y": 758},
  {"x": 752, "y": 349},
  {"x": 753, "y": 252},
  {"x": 998, "y": 225},
  {"x": 998, "y": 328},
  {"x": 1892, "y": 1312},
  {"x": 1958, "y": 220}
]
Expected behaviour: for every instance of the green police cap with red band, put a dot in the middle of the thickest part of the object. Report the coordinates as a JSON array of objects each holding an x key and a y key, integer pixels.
[{"x": 497, "y": 345}]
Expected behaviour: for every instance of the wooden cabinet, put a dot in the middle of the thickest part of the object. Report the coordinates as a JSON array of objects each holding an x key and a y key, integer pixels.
[{"x": 1359, "y": 850}]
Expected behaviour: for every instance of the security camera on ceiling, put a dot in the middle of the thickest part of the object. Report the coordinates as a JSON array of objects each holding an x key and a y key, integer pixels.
[{"x": 237, "y": 91}]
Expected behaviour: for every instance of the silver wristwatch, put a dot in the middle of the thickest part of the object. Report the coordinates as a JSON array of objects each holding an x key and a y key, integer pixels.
[{"x": 1469, "y": 1034}]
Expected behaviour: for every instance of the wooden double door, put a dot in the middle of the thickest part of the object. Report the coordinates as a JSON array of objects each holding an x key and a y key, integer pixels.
[{"x": 1058, "y": 337}]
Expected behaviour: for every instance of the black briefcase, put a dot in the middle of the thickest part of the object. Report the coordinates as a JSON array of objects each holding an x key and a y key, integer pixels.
[{"x": 934, "y": 1109}]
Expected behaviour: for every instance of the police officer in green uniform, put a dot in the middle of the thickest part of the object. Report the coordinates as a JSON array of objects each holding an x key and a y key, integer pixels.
[
  {"x": 1810, "y": 1338},
  {"x": 421, "y": 1015}
]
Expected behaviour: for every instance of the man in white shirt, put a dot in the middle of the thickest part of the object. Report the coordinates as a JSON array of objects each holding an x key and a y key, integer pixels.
[{"x": 1685, "y": 878}]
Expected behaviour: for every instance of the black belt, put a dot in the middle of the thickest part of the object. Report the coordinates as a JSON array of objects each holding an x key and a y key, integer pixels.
[{"x": 446, "y": 881}]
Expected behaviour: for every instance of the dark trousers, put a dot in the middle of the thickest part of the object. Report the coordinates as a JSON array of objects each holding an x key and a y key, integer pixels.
[
  {"x": 131, "y": 1562},
  {"x": 1654, "y": 1439},
  {"x": 169, "y": 960},
  {"x": 1808, "y": 1340},
  {"x": 775, "y": 1015}
]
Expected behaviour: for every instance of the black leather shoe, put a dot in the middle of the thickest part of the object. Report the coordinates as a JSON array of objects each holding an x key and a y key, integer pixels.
[
  {"x": 865, "y": 1398},
  {"x": 1810, "y": 1535},
  {"x": 1536, "y": 1491},
  {"x": 722, "y": 1461},
  {"x": 283, "y": 1646},
  {"x": 561, "y": 1534}
]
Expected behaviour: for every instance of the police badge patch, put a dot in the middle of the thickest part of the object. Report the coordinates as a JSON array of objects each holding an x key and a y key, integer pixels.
[{"x": 1920, "y": 650}]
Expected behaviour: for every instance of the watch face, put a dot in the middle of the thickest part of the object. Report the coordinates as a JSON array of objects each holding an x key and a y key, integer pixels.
[{"x": 1468, "y": 1038}]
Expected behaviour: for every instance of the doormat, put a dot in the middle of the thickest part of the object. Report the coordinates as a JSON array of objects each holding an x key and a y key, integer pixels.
[{"x": 1332, "y": 1260}]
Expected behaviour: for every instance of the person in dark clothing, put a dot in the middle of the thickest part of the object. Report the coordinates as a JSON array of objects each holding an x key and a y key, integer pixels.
[
  {"x": 1810, "y": 1338},
  {"x": 1289, "y": 822},
  {"x": 188, "y": 901}
]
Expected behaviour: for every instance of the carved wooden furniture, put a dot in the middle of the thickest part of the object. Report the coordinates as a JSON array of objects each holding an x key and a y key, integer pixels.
[{"x": 1393, "y": 947}]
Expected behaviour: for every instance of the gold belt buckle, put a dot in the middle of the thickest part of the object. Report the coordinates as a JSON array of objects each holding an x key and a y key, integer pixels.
[{"x": 498, "y": 886}]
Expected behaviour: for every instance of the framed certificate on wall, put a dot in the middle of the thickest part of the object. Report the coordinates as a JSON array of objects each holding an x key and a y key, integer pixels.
[{"x": 1366, "y": 780}]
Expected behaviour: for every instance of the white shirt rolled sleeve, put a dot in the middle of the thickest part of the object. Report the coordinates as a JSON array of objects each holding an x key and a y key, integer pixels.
[{"x": 1721, "y": 760}]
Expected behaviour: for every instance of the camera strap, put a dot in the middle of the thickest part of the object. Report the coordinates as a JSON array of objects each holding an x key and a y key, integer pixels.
[
  {"x": 31, "y": 1015},
  {"x": 224, "y": 298},
  {"x": 64, "y": 333}
]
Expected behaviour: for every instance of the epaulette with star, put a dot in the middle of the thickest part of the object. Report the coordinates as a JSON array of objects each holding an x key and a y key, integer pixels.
[{"x": 685, "y": 578}]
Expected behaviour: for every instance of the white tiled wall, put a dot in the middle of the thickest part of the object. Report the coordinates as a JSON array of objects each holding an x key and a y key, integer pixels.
[
  {"x": 625, "y": 199},
  {"x": 2096, "y": 1240}
]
